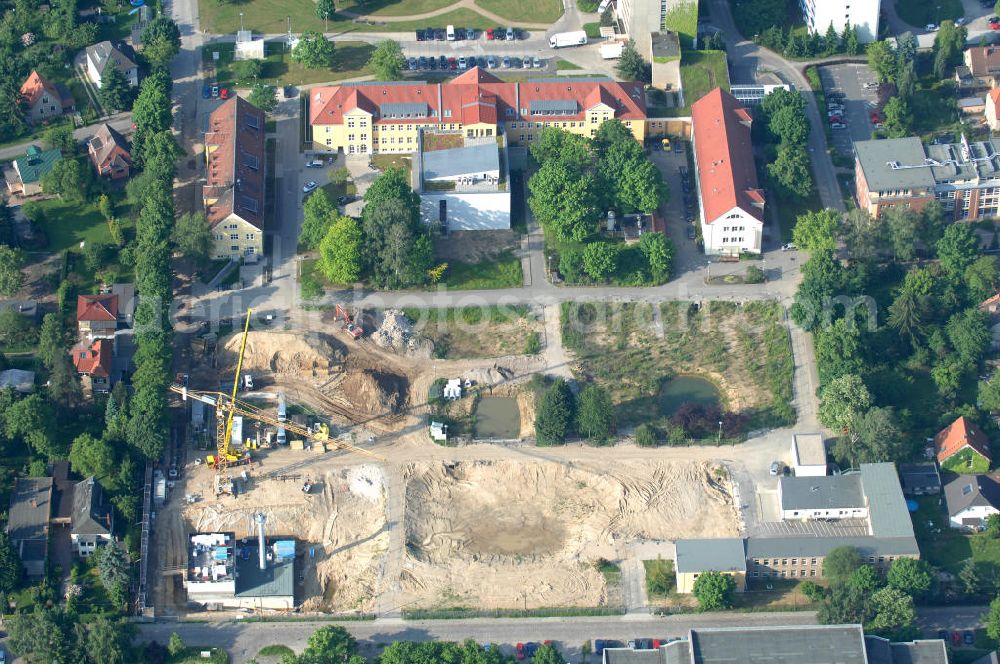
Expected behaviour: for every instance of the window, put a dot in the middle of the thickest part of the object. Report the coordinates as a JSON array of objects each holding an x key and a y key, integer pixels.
[
  {"x": 253, "y": 121},
  {"x": 251, "y": 236},
  {"x": 234, "y": 236},
  {"x": 234, "y": 247}
]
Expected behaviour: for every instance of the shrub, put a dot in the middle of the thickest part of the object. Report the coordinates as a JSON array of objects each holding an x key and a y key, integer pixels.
[
  {"x": 646, "y": 436},
  {"x": 754, "y": 275},
  {"x": 812, "y": 590},
  {"x": 532, "y": 344}
]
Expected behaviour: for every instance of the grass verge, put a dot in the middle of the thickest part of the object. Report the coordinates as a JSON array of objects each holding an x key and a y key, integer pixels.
[
  {"x": 458, "y": 613},
  {"x": 474, "y": 332},
  {"x": 276, "y": 651},
  {"x": 525, "y": 11},
  {"x": 502, "y": 272},
  {"x": 350, "y": 60},
  {"x": 918, "y": 14}
]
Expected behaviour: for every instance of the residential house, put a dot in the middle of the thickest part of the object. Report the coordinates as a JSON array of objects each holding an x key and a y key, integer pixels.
[
  {"x": 698, "y": 556},
  {"x": 28, "y": 522},
  {"x": 962, "y": 446},
  {"x": 984, "y": 65},
  {"x": 104, "y": 54},
  {"x": 92, "y": 519},
  {"x": 920, "y": 479},
  {"x": 234, "y": 189},
  {"x": 97, "y": 315},
  {"x": 126, "y": 302},
  {"x": 836, "y": 497},
  {"x": 45, "y": 100},
  {"x": 375, "y": 117},
  {"x": 94, "y": 363},
  {"x": 781, "y": 644},
  {"x": 731, "y": 203},
  {"x": 963, "y": 77},
  {"x": 26, "y": 173},
  {"x": 808, "y": 455},
  {"x": 819, "y": 15},
  {"x": 971, "y": 499},
  {"x": 110, "y": 153},
  {"x": 963, "y": 177},
  {"x": 26, "y": 308},
  {"x": 465, "y": 187}
]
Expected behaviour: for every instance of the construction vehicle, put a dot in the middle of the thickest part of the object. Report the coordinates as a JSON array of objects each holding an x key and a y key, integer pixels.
[
  {"x": 228, "y": 406},
  {"x": 354, "y": 329}
]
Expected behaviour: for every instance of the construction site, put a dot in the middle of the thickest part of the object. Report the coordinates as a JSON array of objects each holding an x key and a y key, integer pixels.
[{"x": 384, "y": 518}]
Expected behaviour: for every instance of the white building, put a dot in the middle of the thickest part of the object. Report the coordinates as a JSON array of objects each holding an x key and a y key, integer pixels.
[
  {"x": 863, "y": 14},
  {"x": 971, "y": 500},
  {"x": 838, "y": 497},
  {"x": 104, "y": 53},
  {"x": 453, "y": 389},
  {"x": 808, "y": 455},
  {"x": 731, "y": 204},
  {"x": 464, "y": 188},
  {"x": 226, "y": 573},
  {"x": 439, "y": 431}
]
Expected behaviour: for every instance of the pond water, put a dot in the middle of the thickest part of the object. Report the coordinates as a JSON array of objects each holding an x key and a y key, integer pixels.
[
  {"x": 680, "y": 390},
  {"x": 497, "y": 417}
]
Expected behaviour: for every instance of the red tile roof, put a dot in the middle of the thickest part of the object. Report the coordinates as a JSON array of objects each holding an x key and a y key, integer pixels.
[
  {"x": 236, "y": 165},
  {"x": 97, "y": 308},
  {"x": 724, "y": 156},
  {"x": 94, "y": 360},
  {"x": 35, "y": 85},
  {"x": 474, "y": 89},
  {"x": 957, "y": 436}
]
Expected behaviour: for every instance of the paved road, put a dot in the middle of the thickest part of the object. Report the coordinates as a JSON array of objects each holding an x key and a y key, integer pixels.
[
  {"x": 120, "y": 121},
  {"x": 743, "y": 51},
  {"x": 244, "y": 640},
  {"x": 859, "y": 102}
]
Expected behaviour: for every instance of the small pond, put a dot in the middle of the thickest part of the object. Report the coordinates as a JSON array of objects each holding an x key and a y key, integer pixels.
[
  {"x": 680, "y": 390},
  {"x": 497, "y": 417}
]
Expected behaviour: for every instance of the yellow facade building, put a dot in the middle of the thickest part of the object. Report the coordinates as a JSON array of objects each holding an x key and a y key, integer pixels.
[{"x": 379, "y": 118}]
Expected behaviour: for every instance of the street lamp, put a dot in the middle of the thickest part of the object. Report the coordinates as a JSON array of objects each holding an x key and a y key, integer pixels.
[
  {"x": 241, "y": 21},
  {"x": 708, "y": 266},
  {"x": 719, "y": 441}
]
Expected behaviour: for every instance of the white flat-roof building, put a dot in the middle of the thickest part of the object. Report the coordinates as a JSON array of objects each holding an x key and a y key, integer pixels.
[
  {"x": 863, "y": 14},
  {"x": 808, "y": 455},
  {"x": 464, "y": 188}
]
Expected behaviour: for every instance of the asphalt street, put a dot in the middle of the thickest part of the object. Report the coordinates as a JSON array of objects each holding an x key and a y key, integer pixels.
[
  {"x": 245, "y": 639},
  {"x": 858, "y": 104}
]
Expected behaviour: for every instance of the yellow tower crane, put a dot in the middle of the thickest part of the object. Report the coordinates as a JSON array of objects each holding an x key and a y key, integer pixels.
[{"x": 228, "y": 406}]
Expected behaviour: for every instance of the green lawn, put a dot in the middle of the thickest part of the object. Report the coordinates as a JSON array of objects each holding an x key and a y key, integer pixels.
[
  {"x": 933, "y": 107},
  {"x": 271, "y": 17},
  {"x": 682, "y": 18},
  {"x": 527, "y": 11},
  {"x": 350, "y": 60},
  {"x": 702, "y": 72},
  {"x": 566, "y": 65},
  {"x": 949, "y": 548},
  {"x": 593, "y": 30},
  {"x": 392, "y": 7},
  {"x": 919, "y": 13},
  {"x": 68, "y": 224},
  {"x": 335, "y": 191},
  {"x": 503, "y": 272}
]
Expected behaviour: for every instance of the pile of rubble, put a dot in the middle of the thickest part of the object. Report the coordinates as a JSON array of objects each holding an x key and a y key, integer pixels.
[{"x": 395, "y": 332}]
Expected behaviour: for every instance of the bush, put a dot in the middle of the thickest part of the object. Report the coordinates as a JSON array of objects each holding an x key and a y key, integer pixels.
[
  {"x": 532, "y": 344},
  {"x": 660, "y": 577},
  {"x": 714, "y": 590},
  {"x": 754, "y": 275},
  {"x": 812, "y": 590},
  {"x": 646, "y": 436},
  {"x": 555, "y": 415},
  {"x": 588, "y": 6}
]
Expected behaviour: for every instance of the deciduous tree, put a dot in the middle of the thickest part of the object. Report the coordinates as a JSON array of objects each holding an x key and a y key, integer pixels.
[
  {"x": 842, "y": 400},
  {"x": 599, "y": 260},
  {"x": 192, "y": 236},
  {"x": 264, "y": 97},
  {"x": 873, "y": 437},
  {"x": 714, "y": 590},
  {"x": 913, "y": 577},
  {"x": 314, "y": 51},
  {"x": 631, "y": 65},
  {"x": 595, "y": 414},
  {"x": 840, "y": 563},
  {"x": 387, "y": 60},
  {"x": 161, "y": 40},
  {"x": 817, "y": 231},
  {"x": 11, "y": 277},
  {"x": 340, "y": 251},
  {"x": 659, "y": 253},
  {"x": 958, "y": 249},
  {"x": 790, "y": 171}
]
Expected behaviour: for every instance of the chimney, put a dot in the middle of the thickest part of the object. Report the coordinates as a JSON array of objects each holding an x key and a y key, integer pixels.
[{"x": 260, "y": 536}]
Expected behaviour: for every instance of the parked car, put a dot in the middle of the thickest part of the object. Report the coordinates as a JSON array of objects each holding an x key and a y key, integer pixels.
[
  {"x": 838, "y": 125},
  {"x": 206, "y": 91},
  {"x": 599, "y": 646},
  {"x": 439, "y": 35},
  {"x": 506, "y": 62},
  {"x": 776, "y": 468},
  {"x": 956, "y": 638},
  {"x": 224, "y": 93},
  {"x": 969, "y": 637},
  {"x": 789, "y": 247},
  {"x": 519, "y": 651},
  {"x": 420, "y": 35},
  {"x": 289, "y": 91},
  {"x": 470, "y": 33},
  {"x": 931, "y": 27},
  {"x": 943, "y": 635},
  {"x": 994, "y": 19},
  {"x": 309, "y": 186},
  {"x": 489, "y": 34},
  {"x": 215, "y": 91},
  {"x": 422, "y": 62},
  {"x": 530, "y": 648},
  {"x": 537, "y": 62},
  {"x": 442, "y": 62},
  {"x": 315, "y": 163},
  {"x": 994, "y": 26},
  {"x": 510, "y": 34},
  {"x": 516, "y": 63},
  {"x": 462, "y": 64},
  {"x": 691, "y": 232},
  {"x": 452, "y": 63},
  {"x": 491, "y": 62},
  {"x": 875, "y": 117},
  {"x": 413, "y": 63}
]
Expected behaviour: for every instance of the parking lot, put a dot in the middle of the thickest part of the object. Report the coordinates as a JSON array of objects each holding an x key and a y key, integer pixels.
[
  {"x": 520, "y": 51},
  {"x": 461, "y": 62},
  {"x": 858, "y": 102},
  {"x": 681, "y": 208},
  {"x": 770, "y": 523}
]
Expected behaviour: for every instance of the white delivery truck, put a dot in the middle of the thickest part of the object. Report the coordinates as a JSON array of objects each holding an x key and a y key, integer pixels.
[
  {"x": 563, "y": 39},
  {"x": 612, "y": 50},
  {"x": 450, "y": 33}
]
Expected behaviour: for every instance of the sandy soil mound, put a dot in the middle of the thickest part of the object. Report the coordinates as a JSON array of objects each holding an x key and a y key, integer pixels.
[
  {"x": 313, "y": 356},
  {"x": 486, "y": 531},
  {"x": 371, "y": 392}
]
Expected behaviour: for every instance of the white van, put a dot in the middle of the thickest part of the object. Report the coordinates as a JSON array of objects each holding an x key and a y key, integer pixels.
[
  {"x": 282, "y": 408},
  {"x": 281, "y": 438},
  {"x": 450, "y": 33}
]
